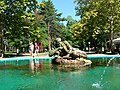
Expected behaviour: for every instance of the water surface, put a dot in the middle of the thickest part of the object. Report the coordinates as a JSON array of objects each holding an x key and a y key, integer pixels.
[{"x": 29, "y": 75}]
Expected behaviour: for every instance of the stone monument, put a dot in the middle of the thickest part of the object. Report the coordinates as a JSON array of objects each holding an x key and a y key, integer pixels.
[{"x": 65, "y": 54}]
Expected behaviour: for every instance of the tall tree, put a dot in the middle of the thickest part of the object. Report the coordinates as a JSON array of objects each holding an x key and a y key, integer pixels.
[
  {"x": 16, "y": 15},
  {"x": 99, "y": 19},
  {"x": 51, "y": 18},
  {"x": 2, "y": 9}
]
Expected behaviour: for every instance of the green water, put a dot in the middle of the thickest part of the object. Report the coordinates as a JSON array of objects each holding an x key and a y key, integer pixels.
[{"x": 24, "y": 75}]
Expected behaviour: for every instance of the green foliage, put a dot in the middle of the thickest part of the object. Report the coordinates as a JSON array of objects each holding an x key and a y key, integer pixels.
[
  {"x": 25, "y": 20},
  {"x": 17, "y": 17},
  {"x": 51, "y": 19},
  {"x": 100, "y": 20}
]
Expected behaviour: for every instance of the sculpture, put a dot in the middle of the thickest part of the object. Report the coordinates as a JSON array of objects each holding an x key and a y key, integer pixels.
[{"x": 66, "y": 54}]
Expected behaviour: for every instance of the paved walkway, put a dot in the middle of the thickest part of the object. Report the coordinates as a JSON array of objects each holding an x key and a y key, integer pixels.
[{"x": 27, "y": 55}]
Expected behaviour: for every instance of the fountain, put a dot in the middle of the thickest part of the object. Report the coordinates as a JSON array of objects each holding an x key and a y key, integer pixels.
[
  {"x": 65, "y": 54},
  {"x": 27, "y": 73},
  {"x": 99, "y": 84}
]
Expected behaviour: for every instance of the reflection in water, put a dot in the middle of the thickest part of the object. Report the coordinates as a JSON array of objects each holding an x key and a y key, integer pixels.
[
  {"x": 35, "y": 65},
  {"x": 66, "y": 68},
  {"x": 57, "y": 77},
  {"x": 31, "y": 66}
]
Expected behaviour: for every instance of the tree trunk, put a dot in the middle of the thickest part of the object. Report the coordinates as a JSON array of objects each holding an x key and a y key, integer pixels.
[
  {"x": 49, "y": 37},
  {"x": 111, "y": 36},
  {"x": 2, "y": 44}
]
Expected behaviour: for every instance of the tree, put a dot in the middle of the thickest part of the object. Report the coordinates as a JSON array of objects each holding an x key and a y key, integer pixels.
[
  {"x": 2, "y": 8},
  {"x": 16, "y": 15},
  {"x": 51, "y": 19},
  {"x": 99, "y": 19},
  {"x": 23, "y": 21}
]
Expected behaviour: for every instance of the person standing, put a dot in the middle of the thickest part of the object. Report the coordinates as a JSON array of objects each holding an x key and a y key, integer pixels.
[
  {"x": 36, "y": 49},
  {"x": 31, "y": 48}
]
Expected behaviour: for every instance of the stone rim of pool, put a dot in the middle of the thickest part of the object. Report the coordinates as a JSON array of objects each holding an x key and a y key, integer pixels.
[{"x": 50, "y": 58}]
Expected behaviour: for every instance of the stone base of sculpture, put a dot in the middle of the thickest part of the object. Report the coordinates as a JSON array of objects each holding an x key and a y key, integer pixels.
[{"x": 68, "y": 62}]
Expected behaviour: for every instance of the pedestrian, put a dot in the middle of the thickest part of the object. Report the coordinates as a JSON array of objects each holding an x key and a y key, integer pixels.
[
  {"x": 36, "y": 49},
  {"x": 31, "y": 48}
]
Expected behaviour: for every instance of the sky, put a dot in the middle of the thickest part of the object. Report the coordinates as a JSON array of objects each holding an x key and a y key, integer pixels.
[{"x": 66, "y": 7}]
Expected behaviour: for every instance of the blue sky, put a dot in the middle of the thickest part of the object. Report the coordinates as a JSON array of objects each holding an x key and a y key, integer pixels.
[{"x": 66, "y": 7}]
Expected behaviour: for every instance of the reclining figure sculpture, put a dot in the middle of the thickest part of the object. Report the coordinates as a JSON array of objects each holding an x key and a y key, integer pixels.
[{"x": 66, "y": 54}]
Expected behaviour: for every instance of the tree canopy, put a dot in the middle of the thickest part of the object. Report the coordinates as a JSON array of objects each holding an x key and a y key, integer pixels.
[
  {"x": 100, "y": 20},
  {"x": 23, "y": 21}
]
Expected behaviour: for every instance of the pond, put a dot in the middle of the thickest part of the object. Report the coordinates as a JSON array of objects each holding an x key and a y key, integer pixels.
[{"x": 35, "y": 74}]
